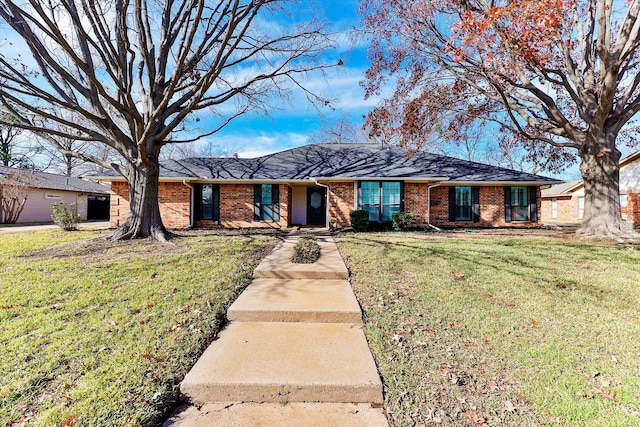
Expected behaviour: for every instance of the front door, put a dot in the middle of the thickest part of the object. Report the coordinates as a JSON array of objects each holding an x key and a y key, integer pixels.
[{"x": 316, "y": 206}]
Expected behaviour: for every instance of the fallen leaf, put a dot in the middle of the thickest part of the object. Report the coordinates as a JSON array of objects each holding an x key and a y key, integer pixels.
[
  {"x": 456, "y": 276},
  {"x": 71, "y": 421}
]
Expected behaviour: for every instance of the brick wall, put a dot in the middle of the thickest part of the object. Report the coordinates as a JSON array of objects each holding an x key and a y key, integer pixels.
[
  {"x": 341, "y": 197},
  {"x": 491, "y": 207},
  {"x": 633, "y": 209},
  {"x": 175, "y": 204},
  {"x": 119, "y": 209},
  {"x": 174, "y": 198},
  {"x": 567, "y": 210},
  {"x": 236, "y": 207}
]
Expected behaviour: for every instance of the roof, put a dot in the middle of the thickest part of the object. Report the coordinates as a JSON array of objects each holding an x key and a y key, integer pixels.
[
  {"x": 342, "y": 161},
  {"x": 50, "y": 181},
  {"x": 563, "y": 189},
  {"x": 631, "y": 158}
]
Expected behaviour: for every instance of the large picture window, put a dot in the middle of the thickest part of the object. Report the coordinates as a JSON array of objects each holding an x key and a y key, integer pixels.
[
  {"x": 381, "y": 199},
  {"x": 207, "y": 202},
  {"x": 266, "y": 204}
]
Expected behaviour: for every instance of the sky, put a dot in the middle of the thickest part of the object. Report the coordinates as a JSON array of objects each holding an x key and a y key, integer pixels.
[
  {"x": 256, "y": 135},
  {"x": 293, "y": 125}
]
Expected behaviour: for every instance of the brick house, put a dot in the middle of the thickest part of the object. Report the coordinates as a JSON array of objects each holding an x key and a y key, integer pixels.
[
  {"x": 316, "y": 184},
  {"x": 564, "y": 203}
]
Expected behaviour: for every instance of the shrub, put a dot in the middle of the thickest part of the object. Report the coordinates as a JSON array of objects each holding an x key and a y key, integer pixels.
[
  {"x": 306, "y": 251},
  {"x": 308, "y": 236},
  {"x": 359, "y": 220},
  {"x": 65, "y": 218},
  {"x": 402, "y": 220}
]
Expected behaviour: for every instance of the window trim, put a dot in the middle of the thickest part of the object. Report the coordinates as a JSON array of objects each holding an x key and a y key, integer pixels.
[{"x": 381, "y": 205}]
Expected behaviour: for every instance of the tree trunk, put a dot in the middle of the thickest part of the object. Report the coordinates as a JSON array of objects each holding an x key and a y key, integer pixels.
[
  {"x": 144, "y": 209},
  {"x": 600, "y": 172}
]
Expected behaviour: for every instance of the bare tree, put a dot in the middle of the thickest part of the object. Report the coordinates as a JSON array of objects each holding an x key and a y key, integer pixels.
[
  {"x": 341, "y": 130},
  {"x": 15, "y": 185},
  {"x": 558, "y": 73},
  {"x": 139, "y": 71}
]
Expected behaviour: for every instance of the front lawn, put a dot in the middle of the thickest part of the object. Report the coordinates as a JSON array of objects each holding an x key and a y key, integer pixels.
[
  {"x": 101, "y": 334},
  {"x": 500, "y": 328}
]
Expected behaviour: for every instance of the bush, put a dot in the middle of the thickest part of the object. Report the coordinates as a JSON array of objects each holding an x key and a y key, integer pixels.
[
  {"x": 65, "y": 218},
  {"x": 308, "y": 236},
  {"x": 402, "y": 220},
  {"x": 359, "y": 220},
  {"x": 306, "y": 251}
]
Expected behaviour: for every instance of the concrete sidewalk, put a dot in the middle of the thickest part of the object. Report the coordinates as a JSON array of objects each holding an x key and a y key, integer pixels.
[{"x": 294, "y": 353}]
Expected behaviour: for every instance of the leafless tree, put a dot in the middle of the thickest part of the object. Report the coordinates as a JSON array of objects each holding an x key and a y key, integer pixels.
[
  {"x": 15, "y": 185},
  {"x": 139, "y": 71},
  {"x": 341, "y": 130}
]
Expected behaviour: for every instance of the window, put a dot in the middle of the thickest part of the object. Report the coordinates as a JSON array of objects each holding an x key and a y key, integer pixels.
[
  {"x": 207, "y": 202},
  {"x": 520, "y": 204},
  {"x": 464, "y": 204},
  {"x": 554, "y": 208},
  {"x": 623, "y": 200},
  {"x": 381, "y": 199},
  {"x": 266, "y": 204},
  {"x": 580, "y": 207}
]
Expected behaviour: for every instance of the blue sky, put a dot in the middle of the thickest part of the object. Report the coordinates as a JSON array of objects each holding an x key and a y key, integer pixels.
[{"x": 255, "y": 135}]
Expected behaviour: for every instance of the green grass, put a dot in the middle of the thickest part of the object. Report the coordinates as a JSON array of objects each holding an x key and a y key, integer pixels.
[
  {"x": 501, "y": 328},
  {"x": 101, "y": 334}
]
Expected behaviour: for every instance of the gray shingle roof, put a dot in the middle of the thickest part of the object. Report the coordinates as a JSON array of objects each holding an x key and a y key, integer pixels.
[
  {"x": 50, "y": 181},
  {"x": 350, "y": 161}
]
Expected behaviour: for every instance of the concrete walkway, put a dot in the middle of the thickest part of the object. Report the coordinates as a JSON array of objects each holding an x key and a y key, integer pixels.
[{"x": 294, "y": 353}]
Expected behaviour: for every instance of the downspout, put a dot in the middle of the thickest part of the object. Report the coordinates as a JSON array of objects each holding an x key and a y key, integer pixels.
[
  {"x": 326, "y": 214},
  {"x": 191, "y": 202},
  {"x": 429, "y": 206}
]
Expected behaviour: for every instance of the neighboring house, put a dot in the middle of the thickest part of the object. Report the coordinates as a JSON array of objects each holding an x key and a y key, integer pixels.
[
  {"x": 564, "y": 203},
  {"x": 312, "y": 184},
  {"x": 92, "y": 198}
]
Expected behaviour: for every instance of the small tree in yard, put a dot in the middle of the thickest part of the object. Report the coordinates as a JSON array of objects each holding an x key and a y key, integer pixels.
[
  {"x": 135, "y": 73},
  {"x": 15, "y": 185},
  {"x": 555, "y": 74},
  {"x": 65, "y": 217}
]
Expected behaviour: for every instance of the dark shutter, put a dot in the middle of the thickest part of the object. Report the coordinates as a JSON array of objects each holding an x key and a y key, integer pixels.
[
  {"x": 533, "y": 204},
  {"x": 275, "y": 200},
  {"x": 216, "y": 202},
  {"x": 197, "y": 200},
  {"x": 452, "y": 204},
  {"x": 257, "y": 198},
  {"x": 359, "y": 207},
  {"x": 475, "y": 199},
  {"x": 507, "y": 204}
]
